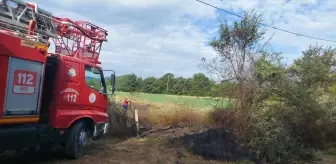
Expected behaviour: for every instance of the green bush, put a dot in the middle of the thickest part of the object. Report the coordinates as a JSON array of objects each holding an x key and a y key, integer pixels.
[
  {"x": 269, "y": 139},
  {"x": 293, "y": 126}
]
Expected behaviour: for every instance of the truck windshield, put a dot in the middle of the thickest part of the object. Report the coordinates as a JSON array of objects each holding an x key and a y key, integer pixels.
[{"x": 95, "y": 80}]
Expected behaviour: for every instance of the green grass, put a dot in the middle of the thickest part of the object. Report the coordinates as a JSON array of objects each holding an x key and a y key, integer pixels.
[
  {"x": 331, "y": 152},
  {"x": 193, "y": 102}
]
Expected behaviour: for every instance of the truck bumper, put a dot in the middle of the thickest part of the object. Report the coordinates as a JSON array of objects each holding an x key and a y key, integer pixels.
[{"x": 100, "y": 129}]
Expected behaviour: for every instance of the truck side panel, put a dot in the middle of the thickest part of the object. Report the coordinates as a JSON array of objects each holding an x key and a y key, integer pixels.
[
  {"x": 23, "y": 85},
  {"x": 65, "y": 117},
  {"x": 21, "y": 48},
  {"x": 12, "y": 48}
]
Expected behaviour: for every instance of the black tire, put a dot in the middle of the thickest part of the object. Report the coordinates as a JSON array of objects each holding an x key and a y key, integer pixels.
[{"x": 76, "y": 142}]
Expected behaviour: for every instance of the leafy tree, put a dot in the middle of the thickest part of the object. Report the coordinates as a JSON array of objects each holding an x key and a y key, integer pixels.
[
  {"x": 223, "y": 89},
  {"x": 148, "y": 84},
  {"x": 127, "y": 83},
  {"x": 158, "y": 86},
  {"x": 200, "y": 85},
  {"x": 131, "y": 83},
  {"x": 181, "y": 86},
  {"x": 121, "y": 82},
  {"x": 316, "y": 67},
  {"x": 168, "y": 78},
  {"x": 139, "y": 83},
  {"x": 238, "y": 47}
]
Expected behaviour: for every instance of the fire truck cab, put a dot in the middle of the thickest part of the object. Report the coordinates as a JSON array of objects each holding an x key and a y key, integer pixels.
[{"x": 48, "y": 99}]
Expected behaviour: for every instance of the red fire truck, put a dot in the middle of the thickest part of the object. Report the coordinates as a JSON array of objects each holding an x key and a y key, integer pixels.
[{"x": 46, "y": 98}]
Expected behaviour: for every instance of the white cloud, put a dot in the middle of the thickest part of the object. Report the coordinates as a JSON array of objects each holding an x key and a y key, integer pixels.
[
  {"x": 310, "y": 17},
  {"x": 153, "y": 37},
  {"x": 149, "y": 38},
  {"x": 318, "y": 21}
]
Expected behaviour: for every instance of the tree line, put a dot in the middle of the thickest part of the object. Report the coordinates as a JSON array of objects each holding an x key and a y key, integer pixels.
[{"x": 197, "y": 85}]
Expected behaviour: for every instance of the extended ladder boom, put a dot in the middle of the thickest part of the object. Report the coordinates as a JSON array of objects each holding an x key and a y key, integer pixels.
[
  {"x": 64, "y": 28},
  {"x": 78, "y": 39},
  {"x": 16, "y": 15}
]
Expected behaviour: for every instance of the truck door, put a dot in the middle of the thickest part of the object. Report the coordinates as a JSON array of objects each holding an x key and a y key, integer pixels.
[{"x": 94, "y": 94}]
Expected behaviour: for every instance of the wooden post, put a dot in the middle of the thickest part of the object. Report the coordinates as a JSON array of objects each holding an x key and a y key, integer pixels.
[{"x": 136, "y": 117}]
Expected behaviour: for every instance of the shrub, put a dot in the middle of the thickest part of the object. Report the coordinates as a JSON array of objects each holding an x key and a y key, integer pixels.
[
  {"x": 292, "y": 127},
  {"x": 269, "y": 139},
  {"x": 222, "y": 117}
]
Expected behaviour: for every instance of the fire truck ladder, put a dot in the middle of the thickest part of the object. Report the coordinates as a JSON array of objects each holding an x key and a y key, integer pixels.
[
  {"x": 78, "y": 39},
  {"x": 16, "y": 16}
]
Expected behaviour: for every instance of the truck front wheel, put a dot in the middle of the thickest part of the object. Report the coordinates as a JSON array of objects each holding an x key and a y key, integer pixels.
[{"x": 77, "y": 140}]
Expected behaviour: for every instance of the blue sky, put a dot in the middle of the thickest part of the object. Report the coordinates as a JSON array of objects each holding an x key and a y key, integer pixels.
[{"x": 154, "y": 37}]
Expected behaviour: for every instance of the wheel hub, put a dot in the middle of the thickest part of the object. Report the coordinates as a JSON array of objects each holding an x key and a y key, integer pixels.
[{"x": 82, "y": 138}]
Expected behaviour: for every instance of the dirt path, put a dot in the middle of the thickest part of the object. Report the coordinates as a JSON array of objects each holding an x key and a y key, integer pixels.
[{"x": 172, "y": 145}]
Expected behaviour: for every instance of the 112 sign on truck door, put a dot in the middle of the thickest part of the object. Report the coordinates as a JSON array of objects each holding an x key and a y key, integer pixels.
[{"x": 24, "y": 82}]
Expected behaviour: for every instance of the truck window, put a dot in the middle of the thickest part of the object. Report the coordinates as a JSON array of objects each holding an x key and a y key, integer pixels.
[{"x": 93, "y": 80}]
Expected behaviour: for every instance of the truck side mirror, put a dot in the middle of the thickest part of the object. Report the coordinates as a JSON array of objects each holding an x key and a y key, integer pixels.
[{"x": 113, "y": 78}]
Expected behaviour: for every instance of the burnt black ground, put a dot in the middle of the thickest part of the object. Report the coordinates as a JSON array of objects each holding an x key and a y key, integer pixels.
[{"x": 215, "y": 144}]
